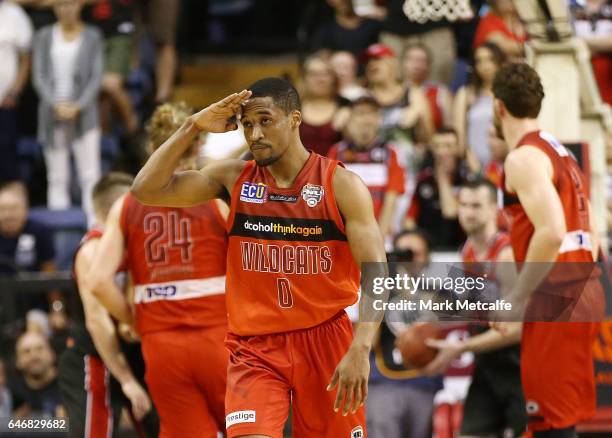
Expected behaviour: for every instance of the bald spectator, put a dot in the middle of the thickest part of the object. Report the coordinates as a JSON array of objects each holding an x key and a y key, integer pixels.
[
  {"x": 35, "y": 389},
  {"x": 25, "y": 245},
  {"x": 15, "y": 41}
]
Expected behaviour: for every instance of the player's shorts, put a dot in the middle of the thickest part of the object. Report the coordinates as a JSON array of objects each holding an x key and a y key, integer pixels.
[
  {"x": 91, "y": 397},
  {"x": 268, "y": 374},
  {"x": 557, "y": 373},
  {"x": 186, "y": 373},
  {"x": 494, "y": 405}
]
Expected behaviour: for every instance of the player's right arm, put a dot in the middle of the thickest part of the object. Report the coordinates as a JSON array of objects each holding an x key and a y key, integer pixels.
[
  {"x": 529, "y": 174},
  {"x": 158, "y": 184},
  {"x": 106, "y": 262},
  {"x": 103, "y": 333}
]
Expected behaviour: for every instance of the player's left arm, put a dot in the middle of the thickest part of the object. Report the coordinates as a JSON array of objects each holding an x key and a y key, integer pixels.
[
  {"x": 107, "y": 260},
  {"x": 529, "y": 173},
  {"x": 366, "y": 242}
]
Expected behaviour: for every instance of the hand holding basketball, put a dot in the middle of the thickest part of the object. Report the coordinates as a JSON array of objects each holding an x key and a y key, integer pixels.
[
  {"x": 221, "y": 116},
  {"x": 412, "y": 344}
]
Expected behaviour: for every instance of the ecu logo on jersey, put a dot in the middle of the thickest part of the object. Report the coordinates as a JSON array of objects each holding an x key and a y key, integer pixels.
[
  {"x": 254, "y": 193},
  {"x": 312, "y": 194}
]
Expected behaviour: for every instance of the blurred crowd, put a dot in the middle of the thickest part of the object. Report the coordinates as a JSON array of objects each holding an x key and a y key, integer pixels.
[{"x": 405, "y": 105}]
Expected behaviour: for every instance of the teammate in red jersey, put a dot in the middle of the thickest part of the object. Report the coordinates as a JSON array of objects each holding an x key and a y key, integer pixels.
[
  {"x": 176, "y": 257},
  {"x": 91, "y": 398},
  {"x": 545, "y": 194},
  {"x": 300, "y": 225}
]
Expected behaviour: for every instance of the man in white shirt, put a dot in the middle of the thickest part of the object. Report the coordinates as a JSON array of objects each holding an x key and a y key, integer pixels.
[{"x": 15, "y": 42}]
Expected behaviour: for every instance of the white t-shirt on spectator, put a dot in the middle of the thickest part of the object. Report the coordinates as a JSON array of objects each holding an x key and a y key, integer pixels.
[
  {"x": 63, "y": 58},
  {"x": 15, "y": 39}
]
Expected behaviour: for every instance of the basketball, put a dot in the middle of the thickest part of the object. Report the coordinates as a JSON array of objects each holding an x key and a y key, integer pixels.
[{"x": 411, "y": 343}]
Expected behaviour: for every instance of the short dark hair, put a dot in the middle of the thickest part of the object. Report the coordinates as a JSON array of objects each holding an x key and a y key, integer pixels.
[
  {"x": 482, "y": 182},
  {"x": 418, "y": 232},
  {"x": 365, "y": 100},
  {"x": 519, "y": 87},
  {"x": 283, "y": 94},
  {"x": 446, "y": 130},
  {"x": 104, "y": 192}
]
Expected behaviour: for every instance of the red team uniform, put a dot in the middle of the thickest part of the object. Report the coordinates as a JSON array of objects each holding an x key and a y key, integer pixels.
[
  {"x": 177, "y": 261},
  {"x": 557, "y": 363},
  {"x": 290, "y": 275},
  {"x": 377, "y": 166}
]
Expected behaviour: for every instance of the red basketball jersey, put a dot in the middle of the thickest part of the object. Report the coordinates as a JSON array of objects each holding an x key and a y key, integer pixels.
[
  {"x": 289, "y": 262},
  {"x": 499, "y": 242},
  {"x": 177, "y": 260},
  {"x": 572, "y": 189}
]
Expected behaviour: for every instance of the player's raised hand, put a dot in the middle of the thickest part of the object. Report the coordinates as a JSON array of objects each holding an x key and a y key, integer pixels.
[
  {"x": 221, "y": 116},
  {"x": 141, "y": 403},
  {"x": 351, "y": 378}
]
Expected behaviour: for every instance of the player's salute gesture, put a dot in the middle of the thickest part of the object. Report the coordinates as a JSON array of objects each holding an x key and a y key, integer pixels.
[{"x": 221, "y": 116}]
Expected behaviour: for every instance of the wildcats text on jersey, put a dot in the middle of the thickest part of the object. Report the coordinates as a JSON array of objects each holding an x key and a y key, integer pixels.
[{"x": 286, "y": 259}]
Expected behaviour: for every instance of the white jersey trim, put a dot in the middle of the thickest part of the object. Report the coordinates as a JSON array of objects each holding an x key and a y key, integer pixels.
[
  {"x": 179, "y": 290},
  {"x": 576, "y": 240}
]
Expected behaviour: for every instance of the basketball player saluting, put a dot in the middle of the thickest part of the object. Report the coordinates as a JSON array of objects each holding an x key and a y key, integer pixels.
[
  {"x": 545, "y": 194},
  {"x": 299, "y": 227}
]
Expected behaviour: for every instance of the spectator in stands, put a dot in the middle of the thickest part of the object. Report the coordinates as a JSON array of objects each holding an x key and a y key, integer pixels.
[
  {"x": 400, "y": 398},
  {"x": 345, "y": 68},
  {"x": 433, "y": 207},
  {"x": 115, "y": 18},
  {"x": 67, "y": 76},
  {"x": 346, "y": 30},
  {"x": 416, "y": 65},
  {"x": 25, "y": 245},
  {"x": 499, "y": 151},
  {"x": 160, "y": 18},
  {"x": 35, "y": 389},
  {"x": 373, "y": 159},
  {"x": 6, "y": 399},
  {"x": 322, "y": 116},
  {"x": 398, "y": 32},
  {"x": 473, "y": 106},
  {"x": 593, "y": 23},
  {"x": 15, "y": 41},
  {"x": 502, "y": 27},
  {"x": 405, "y": 113}
]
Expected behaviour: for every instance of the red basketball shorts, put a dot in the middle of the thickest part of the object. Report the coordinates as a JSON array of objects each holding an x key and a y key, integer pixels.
[
  {"x": 186, "y": 375},
  {"x": 268, "y": 374},
  {"x": 557, "y": 373}
]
